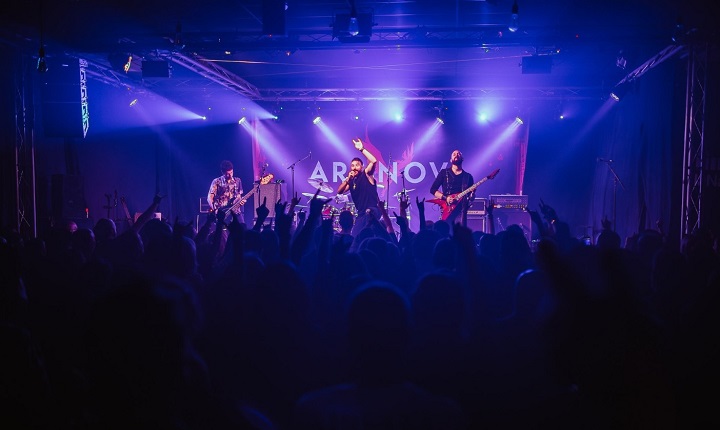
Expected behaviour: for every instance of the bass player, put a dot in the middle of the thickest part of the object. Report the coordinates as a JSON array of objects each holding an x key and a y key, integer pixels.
[{"x": 225, "y": 189}]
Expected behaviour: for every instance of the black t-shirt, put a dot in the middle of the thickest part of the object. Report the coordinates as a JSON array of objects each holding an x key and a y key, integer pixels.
[
  {"x": 450, "y": 182},
  {"x": 364, "y": 194}
]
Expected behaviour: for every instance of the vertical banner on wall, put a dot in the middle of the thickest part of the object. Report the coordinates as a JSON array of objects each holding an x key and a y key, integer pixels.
[{"x": 522, "y": 145}]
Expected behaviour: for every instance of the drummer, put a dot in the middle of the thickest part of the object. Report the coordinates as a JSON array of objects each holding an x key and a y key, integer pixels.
[{"x": 363, "y": 187}]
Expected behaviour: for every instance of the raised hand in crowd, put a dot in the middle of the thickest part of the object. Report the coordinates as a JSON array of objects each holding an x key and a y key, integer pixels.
[
  {"x": 537, "y": 220},
  {"x": 283, "y": 225},
  {"x": 294, "y": 202},
  {"x": 404, "y": 204},
  {"x": 262, "y": 213},
  {"x": 385, "y": 217},
  {"x": 421, "y": 211},
  {"x": 548, "y": 212},
  {"x": 402, "y": 222}
]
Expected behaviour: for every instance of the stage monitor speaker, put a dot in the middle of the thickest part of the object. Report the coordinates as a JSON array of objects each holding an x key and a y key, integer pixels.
[
  {"x": 67, "y": 196},
  {"x": 273, "y": 192},
  {"x": 503, "y": 219}
]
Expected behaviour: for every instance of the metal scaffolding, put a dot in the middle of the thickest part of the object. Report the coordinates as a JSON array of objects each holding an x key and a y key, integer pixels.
[
  {"x": 25, "y": 186},
  {"x": 693, "y": 140}
]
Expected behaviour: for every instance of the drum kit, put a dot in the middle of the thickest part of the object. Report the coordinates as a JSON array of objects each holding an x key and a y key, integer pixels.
[{"x": 334, "y": 205}]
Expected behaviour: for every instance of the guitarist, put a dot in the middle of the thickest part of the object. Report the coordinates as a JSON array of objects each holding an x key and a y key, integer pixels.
[
  {"x": 225, "y": 189},
  {"x": 454, "y": 180}
]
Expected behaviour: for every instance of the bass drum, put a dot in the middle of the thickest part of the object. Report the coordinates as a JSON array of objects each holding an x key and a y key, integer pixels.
[{"x": 330, "y": 212}]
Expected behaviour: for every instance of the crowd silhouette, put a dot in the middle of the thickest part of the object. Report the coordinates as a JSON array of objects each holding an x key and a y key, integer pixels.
[{"x": 290, "y": 324}]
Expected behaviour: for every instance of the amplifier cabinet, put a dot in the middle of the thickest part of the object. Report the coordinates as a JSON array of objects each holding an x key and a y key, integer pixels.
[{"x": 509, "y": 201}]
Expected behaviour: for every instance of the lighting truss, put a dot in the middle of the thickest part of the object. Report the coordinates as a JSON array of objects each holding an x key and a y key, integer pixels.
[
  {"x": 693, "y": 145},
  {"x": 412, "y": 94},
  {"x": 217, "y": 74}
]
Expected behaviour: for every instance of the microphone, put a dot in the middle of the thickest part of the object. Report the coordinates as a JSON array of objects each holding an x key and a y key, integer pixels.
[{"x": 604, "y": 160}]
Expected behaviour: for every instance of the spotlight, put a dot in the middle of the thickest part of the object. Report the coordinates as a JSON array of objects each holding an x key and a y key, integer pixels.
[
  {"x": 353, "y": 27},
  {"x": 440, "y": 113},
  {"x": 242, "y": 120},
  {"x": 203, "y": 117},
  {"x": 41, "y": 64},
  {"x": 518, "y": 120},
  {"x": 513, "y": 27},
  {"x": 133, "y": 102},
  {"x": 315, "y": 114},
  {"x": 399, "y": 117}
]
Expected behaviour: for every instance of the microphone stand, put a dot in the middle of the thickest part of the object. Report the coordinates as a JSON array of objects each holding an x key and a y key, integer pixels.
[
  {"x": 292, "y": 166},
  {"x": 616, "y": 181}
]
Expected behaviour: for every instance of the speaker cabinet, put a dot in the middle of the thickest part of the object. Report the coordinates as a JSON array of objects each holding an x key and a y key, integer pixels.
[
  {"x": 503, "y": 219},
  {"x": 476, "y": 223},
  {"x": 67, "y": 196},
  {"x": 62, "y": 111},
  {"x": 273, "y": 192}
]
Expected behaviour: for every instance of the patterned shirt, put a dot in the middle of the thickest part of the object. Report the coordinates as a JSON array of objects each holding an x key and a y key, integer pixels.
[{"x": 224, "y": 191}]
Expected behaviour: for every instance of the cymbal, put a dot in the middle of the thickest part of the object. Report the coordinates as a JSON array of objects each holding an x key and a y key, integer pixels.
[
  {"x": 300, "y": 206},
  {"x": 320, "y": 185},
  {"x": 407, "y": 191},
  {"x": 311, "y": 195},
  {"x": 380, "y": 186},
  {"x": 341, "y": 198}
]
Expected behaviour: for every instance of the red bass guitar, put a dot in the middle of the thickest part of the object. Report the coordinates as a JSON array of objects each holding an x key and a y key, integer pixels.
[{"x": 447, "y": 208}]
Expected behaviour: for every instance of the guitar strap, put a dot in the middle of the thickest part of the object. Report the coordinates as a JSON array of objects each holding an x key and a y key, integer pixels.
[{"x": 447, "y": 182}]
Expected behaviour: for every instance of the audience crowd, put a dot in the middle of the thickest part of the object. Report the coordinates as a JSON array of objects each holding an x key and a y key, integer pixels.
[{"x": 291, "y": 323}]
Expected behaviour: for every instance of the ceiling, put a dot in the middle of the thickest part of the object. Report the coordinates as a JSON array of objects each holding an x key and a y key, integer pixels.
[{"x": 418, "y": 50}]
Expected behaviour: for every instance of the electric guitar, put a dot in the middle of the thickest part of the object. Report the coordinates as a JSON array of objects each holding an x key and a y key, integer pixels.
[
  {"x": 128, "y": 218},
  {"x": 227, "y": 211},
  {"x": 447, "y": 208}
]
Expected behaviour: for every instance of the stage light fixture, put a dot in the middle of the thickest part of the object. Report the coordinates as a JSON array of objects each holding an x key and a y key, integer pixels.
[
  {"x": 518, "y": 120},
  {"x": 441, "y": 110},
  {"x": 242, "y": 120},
  {"x": 126, "y": 67},
  {"x": 353, "y": 27},
  {"x": 317, "y": 120},
  {"x": 514, "y": 25},
  {"x": 42, "y": 63},
  {"x": 133, "y": 102}
]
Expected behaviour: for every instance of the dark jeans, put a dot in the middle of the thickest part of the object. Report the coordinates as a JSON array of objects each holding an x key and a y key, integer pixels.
[{"x": 363, "y": 220}]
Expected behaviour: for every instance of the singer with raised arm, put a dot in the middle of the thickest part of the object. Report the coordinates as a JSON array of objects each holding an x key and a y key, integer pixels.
[
  {"x": 454, "y": 180},
  {"x": 363, "y": 187},
  {"x": 224, "y": 190}
]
